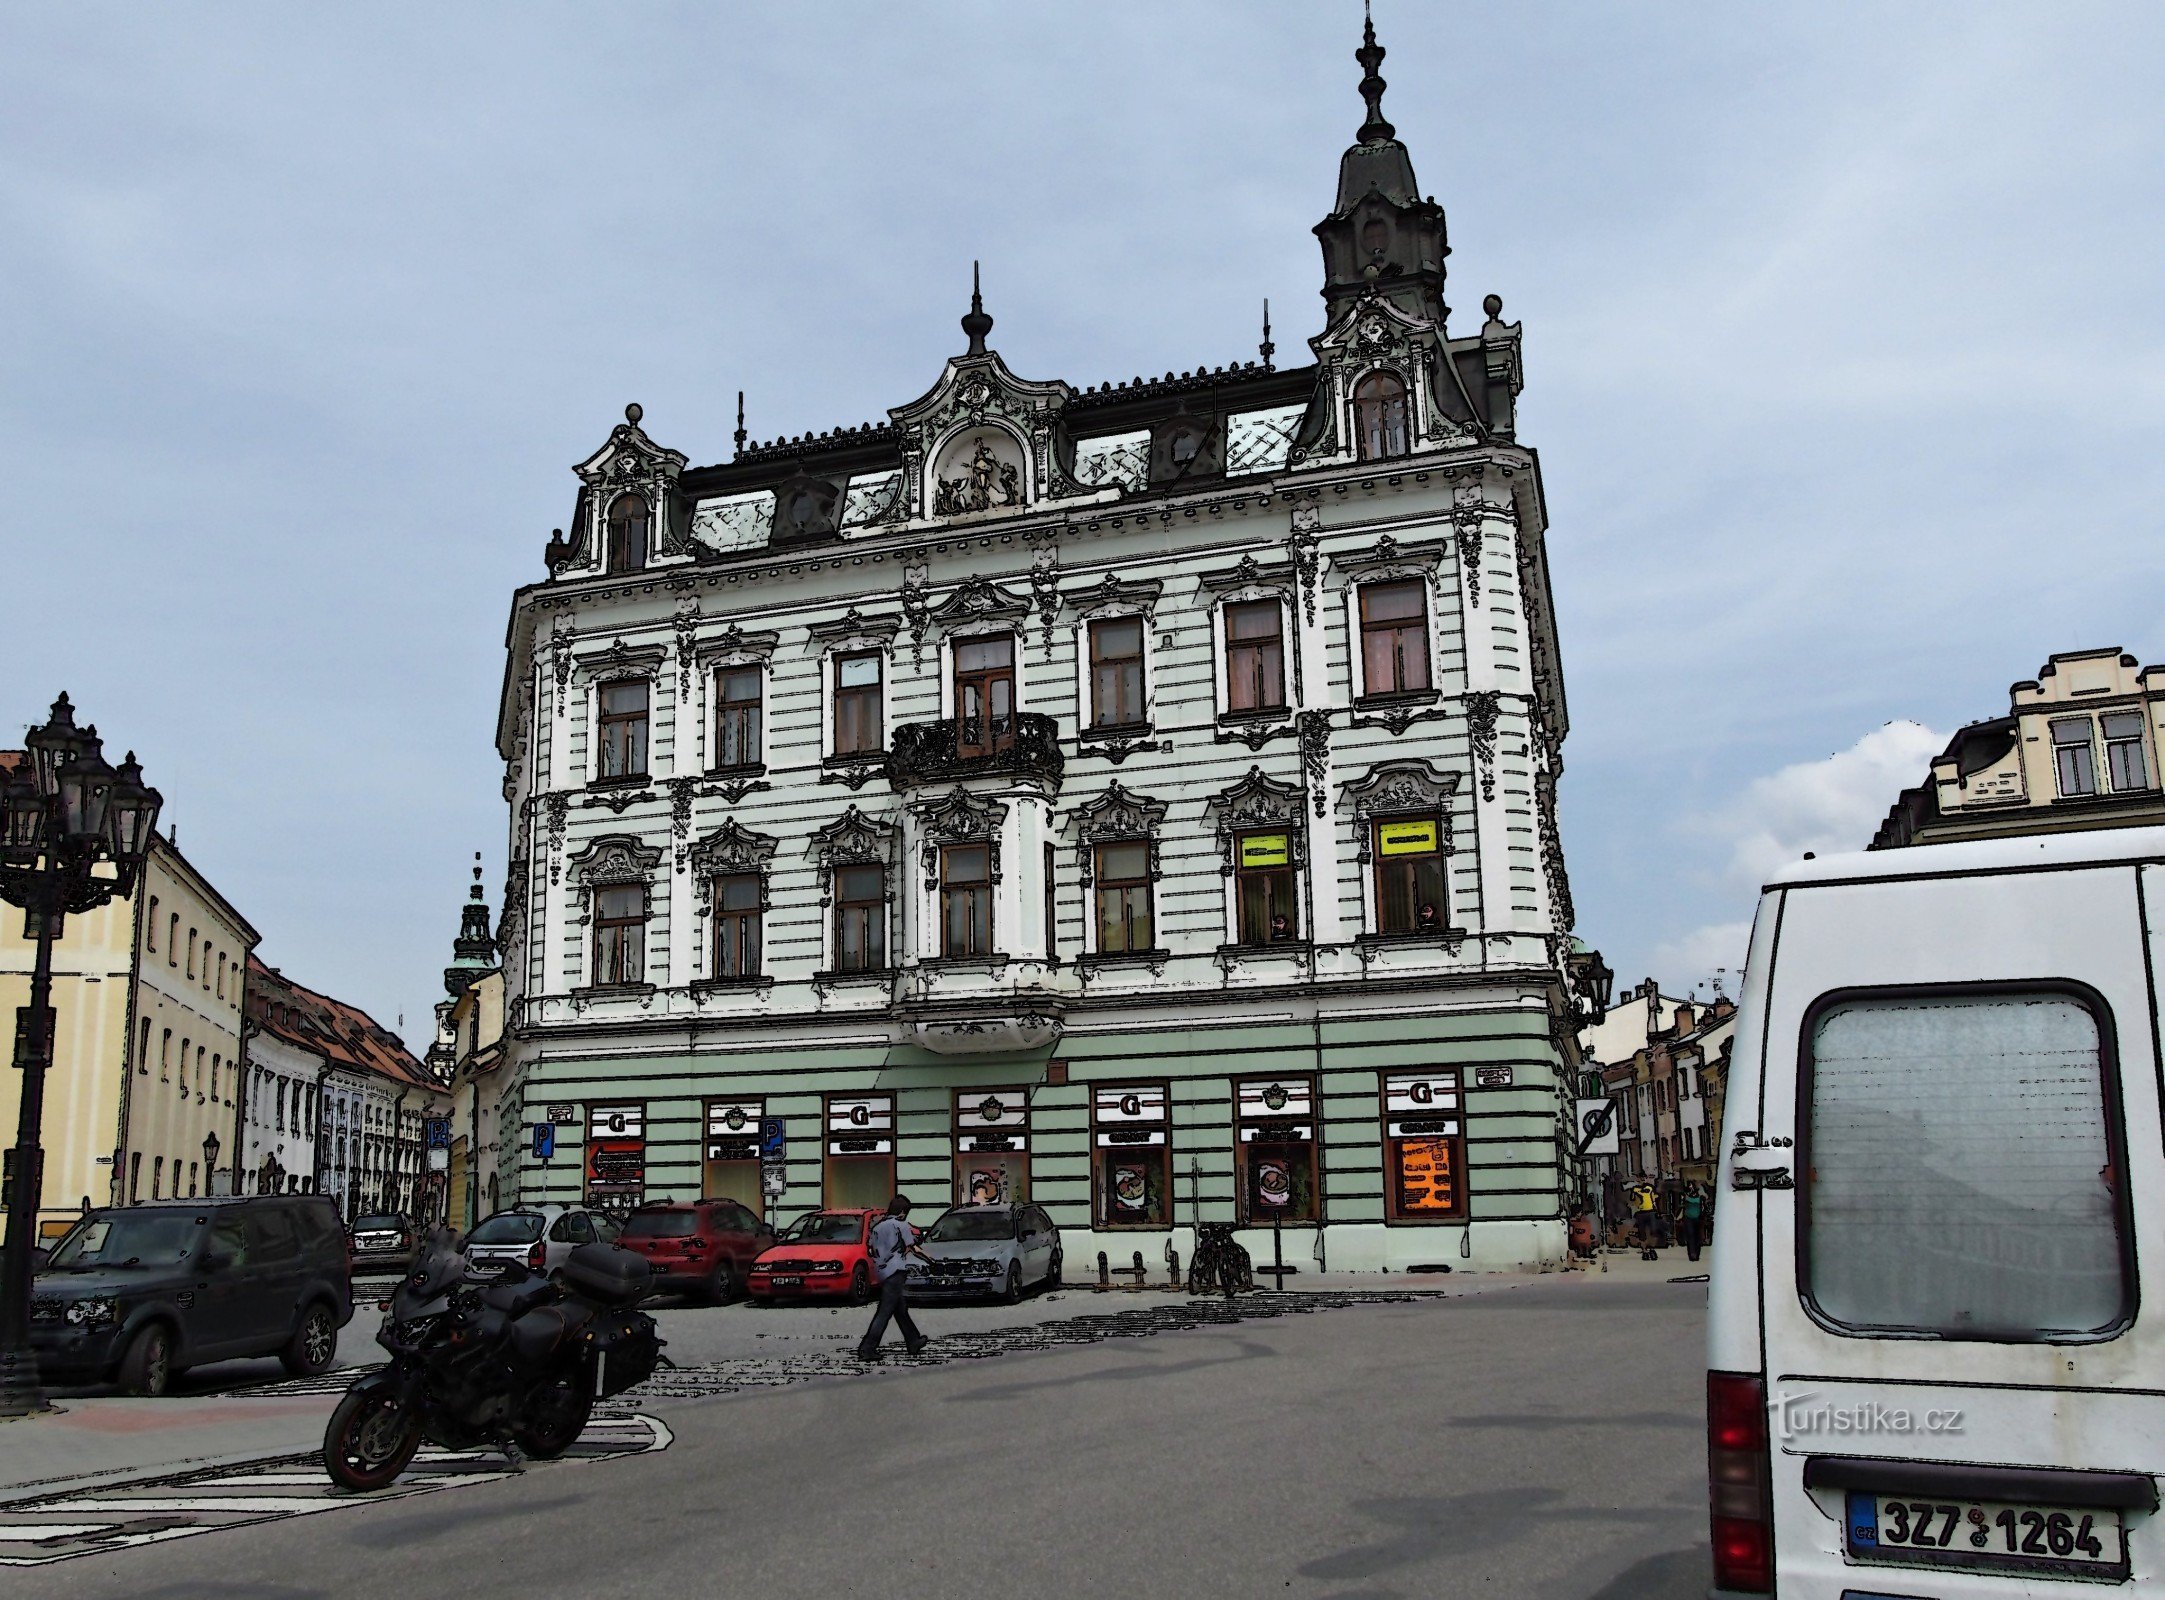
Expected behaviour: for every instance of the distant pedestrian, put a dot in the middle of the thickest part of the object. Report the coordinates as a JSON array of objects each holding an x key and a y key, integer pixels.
[
  {"x": 1694, "y": 1220},
  {"x": 894, "y": 1241},
  {"x": 1642, "y": 1206}
]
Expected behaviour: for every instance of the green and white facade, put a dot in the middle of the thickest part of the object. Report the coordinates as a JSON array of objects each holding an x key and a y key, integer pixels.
[{"x": 932, "y": 787}]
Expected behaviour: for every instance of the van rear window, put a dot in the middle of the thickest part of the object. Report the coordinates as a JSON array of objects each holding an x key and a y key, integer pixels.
[{"x": 1960, "y": 1171}]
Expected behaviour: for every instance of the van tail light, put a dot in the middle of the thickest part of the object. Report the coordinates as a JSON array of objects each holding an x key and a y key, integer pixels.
[
  {"x": 1739, "y": 1474},
  {"x": 538, "y": 1256}
]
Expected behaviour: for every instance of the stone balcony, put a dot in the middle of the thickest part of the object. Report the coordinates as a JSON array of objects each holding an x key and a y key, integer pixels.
[{"x": 1025, "y": 745}]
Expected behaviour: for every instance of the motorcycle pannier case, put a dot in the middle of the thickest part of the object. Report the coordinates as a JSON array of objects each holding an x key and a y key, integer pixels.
[
  {"x": 614, "y": 1277},
  {"x": 627, "y": 1350}
]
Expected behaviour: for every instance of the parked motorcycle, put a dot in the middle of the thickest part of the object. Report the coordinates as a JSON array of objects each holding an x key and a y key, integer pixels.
[{"x": 517, "y": 1363}]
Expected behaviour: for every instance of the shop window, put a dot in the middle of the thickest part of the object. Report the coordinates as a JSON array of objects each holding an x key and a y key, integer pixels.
[
  {"x": 984, "y": 696},
  {"x": 859, "y": 726},
  {"x": 2072, "y": 758},
  {"x": 992, "y": 1147},
  {"x": 731, "y": 1156},
  {"x": 620, "y": 934},
  {"x": 966, "y": 900},
  {"x": 629, "y": 522},
  {"x": 616, "y": 1154},
  {"x": 736, "y": 914},
  {"x": 1410, "y": 895},
  {"x": 860, "y": 1153},
  {"x": 1116, "y": 673},
  {"x": 621, "y": 731},
  {"x": 1255, "y": 656},
  {"x": 1380, "y": 418},
  {"x": 737, "y": 711},
  {"x": 1424, "y": 1146},
  {"x": 1274, "y": 1153},
  {"x": 1132, "y": 1174},
  {"x": 1263, "y": 891},
  {"x": 1126, "y": 923},
  {"x": 1394, "y": 637},
  {"x": 2124, "y": 764},
  {"x": 860, "y": 919}
]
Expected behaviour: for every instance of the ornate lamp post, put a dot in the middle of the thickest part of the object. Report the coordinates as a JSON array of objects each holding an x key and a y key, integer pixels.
[{"x": 63, "y": 813}]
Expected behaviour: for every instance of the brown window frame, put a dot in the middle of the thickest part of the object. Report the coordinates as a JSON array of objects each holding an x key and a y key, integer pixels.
[
  {"x": 1386, "y": 865},
  {"x": 1382, "y": 417},
  {"x": 830, "y": 1158},
  {"x": 1308, "y": 1163},
  {"x": 1101, "y": 1155},
  {"x": 630, "y": 539},
  {"x": 860, "y": 724},
  {"x": 1105, "y": 884},
  {"x": 1405, "y": 666},
  {"x": 747, "y": 713},
  {"x": 874, "y": 910},
  {"x": 617, "y": 949},
  {"x": 1394, "y": 1213},
  {"x": 1118, "y": 694},
  {"x": 1255, "y": 664},
  {"x": 621, "y": 736},
  {"x": 1259, "y": 879},
  {"x": 973, "y": 897},
  {"x": 738, "y": 929},
  {"x": 1013, "y": 1157},
  {"x": 990, "y": 731}
]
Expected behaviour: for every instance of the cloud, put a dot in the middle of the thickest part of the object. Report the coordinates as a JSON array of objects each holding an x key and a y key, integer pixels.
[{"x": 1827, "y": 807}]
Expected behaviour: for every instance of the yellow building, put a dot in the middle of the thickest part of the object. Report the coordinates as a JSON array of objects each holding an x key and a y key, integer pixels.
[{"x": 142, "y": 1099}]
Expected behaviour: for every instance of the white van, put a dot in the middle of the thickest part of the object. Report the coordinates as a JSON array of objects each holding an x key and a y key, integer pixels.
[{"x": 1932, "y": 1374}]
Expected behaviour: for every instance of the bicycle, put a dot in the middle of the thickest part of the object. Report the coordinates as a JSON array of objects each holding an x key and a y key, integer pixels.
[{"x": 1220, "y": 1262}]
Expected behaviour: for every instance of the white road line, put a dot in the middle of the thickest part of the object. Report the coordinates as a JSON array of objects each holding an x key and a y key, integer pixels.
[{"x": 32, "y": 1531}]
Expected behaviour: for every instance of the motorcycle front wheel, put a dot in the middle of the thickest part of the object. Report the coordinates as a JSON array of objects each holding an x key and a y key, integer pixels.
[
  {"x": 370, "y": 1439},
  {"x": 555, "y": 1415}
]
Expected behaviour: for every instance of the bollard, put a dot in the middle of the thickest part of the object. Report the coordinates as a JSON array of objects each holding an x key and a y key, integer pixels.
[
  {"x": 1105, "y": 1272},
  {"x": 1172, "y": 1267}
]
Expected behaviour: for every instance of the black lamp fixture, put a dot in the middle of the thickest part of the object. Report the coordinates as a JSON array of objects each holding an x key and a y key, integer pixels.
[
  {"x": 74, "y": 834},
  {"x": 1594, "y": 980}
]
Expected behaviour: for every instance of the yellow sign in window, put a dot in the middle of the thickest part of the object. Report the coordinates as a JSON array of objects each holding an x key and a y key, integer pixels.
[
  {"x": 1264, "y": 850},
  {"x": 1408, "y": 838}
]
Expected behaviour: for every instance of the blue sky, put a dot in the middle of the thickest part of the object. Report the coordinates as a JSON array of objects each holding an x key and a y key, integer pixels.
[{"x": 1843, "y": 354}]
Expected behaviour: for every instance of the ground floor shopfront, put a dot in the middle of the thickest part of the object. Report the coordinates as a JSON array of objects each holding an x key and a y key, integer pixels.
[{"x": 1379, "y": 1141}]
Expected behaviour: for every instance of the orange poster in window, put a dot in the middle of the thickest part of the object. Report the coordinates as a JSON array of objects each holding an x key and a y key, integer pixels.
[{"x": 1426, "y": 1179}]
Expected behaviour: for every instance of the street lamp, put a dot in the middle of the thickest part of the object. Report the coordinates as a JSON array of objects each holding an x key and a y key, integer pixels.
[
  {"x": 64, "y": 811},
  {"x": 210, "y": 1163}
]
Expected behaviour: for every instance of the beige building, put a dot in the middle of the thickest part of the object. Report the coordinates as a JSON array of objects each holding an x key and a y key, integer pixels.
[
  {"x": 476, "y": 1049},
  {"x": 2078, "y": 748},
  {"x": 142, "y": 1098}
]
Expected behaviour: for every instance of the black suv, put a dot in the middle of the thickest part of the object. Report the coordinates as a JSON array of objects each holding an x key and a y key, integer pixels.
[{"x": 135, "y": 1294}]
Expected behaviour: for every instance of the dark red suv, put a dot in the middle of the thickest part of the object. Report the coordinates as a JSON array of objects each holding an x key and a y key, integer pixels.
[{"x": 700, "y": 1248}]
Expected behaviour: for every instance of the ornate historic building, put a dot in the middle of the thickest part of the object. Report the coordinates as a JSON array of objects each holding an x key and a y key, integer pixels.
[{"x": 1141, "y": 797}]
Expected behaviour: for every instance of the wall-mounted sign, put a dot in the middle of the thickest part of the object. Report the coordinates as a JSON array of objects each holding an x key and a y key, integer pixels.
[
  {"x": 563, "y": 1113},
  {"x": 616, "y": 1151},
  {"x": 544, "y": 1140},
  {"x": 1427, "y": 1177},
  {"x": 1492, "y": 1077},
  {"x": 1407, "y": 838},
  {"x": 1262, "y": 850},
  {"x": 733, "y": 1129},
  {"x": 861, "y": 1125}
]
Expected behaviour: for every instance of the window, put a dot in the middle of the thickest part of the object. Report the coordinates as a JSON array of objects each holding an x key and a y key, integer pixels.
[
  {"x": 966, "y": 900},
  {"x": 191, "y": 953},
  {"x": 732, "y": 1152},
  {"x": 628, "y": 522},
  {"x": 191, "y": 1175},
  {"x": 1126, "y": 923},
  {"x": 142, "y": 1049},
  {"x": 1263, "y": 906},
  {"x": 736, "y": 717},
  {"x": 1380, "y": 417},
  {"x": 736, "y": 925},
  {"x": 1131, "y": 1167},
  {"x": 135, "y": 1176},
  {"x": 150, "y": 927},
  {"x": 623, "y": 729},
  {"x": 203, "y": 1083},
  {"x": 1424, "y": 1147},
  {"x": 992, "y": 1146},
  {"x": 1409, "y": 875},
  {"x": 221, "y": 975},
  {"x": 984, "y": 695},
  {"x": 157, "y": 1178},
  {"x": 1394, "y": 637},
  {"x": 860, "y": 919},
  {"x": 165, "y": 1055},
  {"x": 184, "y": 1066},
  {"x": 857, "y": 717},
  {"x": 1255, "y": 656},
  {"x": 2124, "y": 764},
  {"x": 2072, "y": 758},
  {"x": 1960, "y": 1174},
  {"x": 620, "y": 934},
  {"x": 1052, "y": 910},
  {"x": 860, "y": 1152},
  {"x": 281, "y": 1105},
  {"x": 172, "y": 939},
  {"x": 1275, "y": 1151},
  {"x": 1116, "y": 672}
]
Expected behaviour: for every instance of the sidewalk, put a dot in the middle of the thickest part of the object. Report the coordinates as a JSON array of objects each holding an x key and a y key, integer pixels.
[{"x": 109, "y": 1439}]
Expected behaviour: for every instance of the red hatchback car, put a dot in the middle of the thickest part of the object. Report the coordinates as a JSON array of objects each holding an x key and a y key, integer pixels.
[
  {"x": 700, "y": 1248},
  {"x": 823, "y": 1255}
]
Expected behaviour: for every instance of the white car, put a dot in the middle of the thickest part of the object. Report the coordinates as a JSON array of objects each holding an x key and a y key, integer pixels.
[{"x": 538, "y": 1238}]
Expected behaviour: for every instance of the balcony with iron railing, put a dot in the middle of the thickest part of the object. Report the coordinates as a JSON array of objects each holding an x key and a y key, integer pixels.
[{"x": 1021, "y": 744}]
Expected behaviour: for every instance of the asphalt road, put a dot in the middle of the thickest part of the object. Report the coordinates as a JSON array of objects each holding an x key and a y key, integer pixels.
[{"x": 1539, "y": 1440}]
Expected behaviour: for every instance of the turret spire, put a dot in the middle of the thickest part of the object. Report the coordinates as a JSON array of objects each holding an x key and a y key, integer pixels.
[
  {"x": 1370, "y": 55},
  {"x": 474, "y": 950},
  {"x": 976, "y": 324}
]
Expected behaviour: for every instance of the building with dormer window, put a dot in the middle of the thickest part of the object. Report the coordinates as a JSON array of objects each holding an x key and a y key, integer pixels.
[{"x": 1138, "y": 798}]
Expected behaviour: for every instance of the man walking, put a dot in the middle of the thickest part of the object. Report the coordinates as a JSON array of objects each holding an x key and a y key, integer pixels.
[
  {"x": 1694, "y": 1220},
  {"x": 894, "y": 1241}
]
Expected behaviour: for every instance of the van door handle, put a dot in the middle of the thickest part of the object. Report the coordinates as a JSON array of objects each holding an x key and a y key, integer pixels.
[{"x": 1754, "y": 1165}]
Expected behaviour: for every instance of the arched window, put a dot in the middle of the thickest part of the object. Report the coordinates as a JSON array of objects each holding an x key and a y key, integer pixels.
[
  {"x": 1379, "y": 416},
  {"x": 628, "y": 523},
  {"x": 142, "y": 1051},
  {"x": 172, "y": 939},
  {"x": 150, "y": 928},
  {"x": 184, "y": 1066}
]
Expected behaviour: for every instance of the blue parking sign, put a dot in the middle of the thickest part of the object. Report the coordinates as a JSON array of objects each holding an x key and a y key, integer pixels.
[
  {"x": 544, "y": 1140},
  {"x": 773, "y": 1145}
]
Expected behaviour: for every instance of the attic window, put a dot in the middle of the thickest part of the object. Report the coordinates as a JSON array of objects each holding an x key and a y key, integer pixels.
[
  {"x": 628, "y": 522},
  {"x": 1379, "y": 416}
]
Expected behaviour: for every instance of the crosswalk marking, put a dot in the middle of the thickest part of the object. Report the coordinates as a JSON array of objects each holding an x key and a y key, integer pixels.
[{"x": 80, "y": 1523}]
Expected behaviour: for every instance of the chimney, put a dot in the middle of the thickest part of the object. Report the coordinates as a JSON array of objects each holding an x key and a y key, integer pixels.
[{"x": 1682, "y": 1023}]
